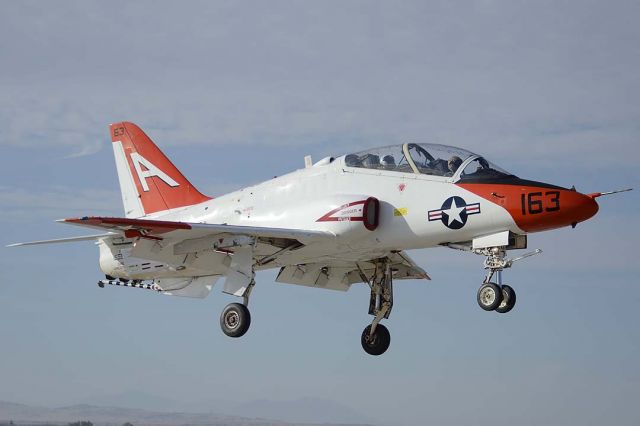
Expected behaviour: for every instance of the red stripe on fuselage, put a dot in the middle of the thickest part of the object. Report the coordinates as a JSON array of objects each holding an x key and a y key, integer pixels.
[{"x": 329, "y": 217}]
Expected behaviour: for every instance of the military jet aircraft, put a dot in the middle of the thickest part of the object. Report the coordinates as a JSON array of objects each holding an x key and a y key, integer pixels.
[{"x": 339, "y": 221}]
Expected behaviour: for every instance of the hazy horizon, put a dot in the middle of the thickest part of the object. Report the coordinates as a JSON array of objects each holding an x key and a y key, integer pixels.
[{"x": 100, "y": 411}]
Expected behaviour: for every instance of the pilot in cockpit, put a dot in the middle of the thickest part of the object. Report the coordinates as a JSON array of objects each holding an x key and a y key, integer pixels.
[
  {"x": 388, "y": 162},
  {"x": 453, "y": 164}
]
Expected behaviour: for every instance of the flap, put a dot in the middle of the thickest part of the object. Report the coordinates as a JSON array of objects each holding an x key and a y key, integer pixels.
[{"x": 340, "y": 275}]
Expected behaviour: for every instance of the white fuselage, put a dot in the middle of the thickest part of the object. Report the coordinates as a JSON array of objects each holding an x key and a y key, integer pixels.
[{"x": 299, "y": 199}]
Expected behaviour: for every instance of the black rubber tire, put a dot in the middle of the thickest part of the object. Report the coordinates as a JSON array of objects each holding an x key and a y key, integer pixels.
[
  {"x": 378, "y": 343},
  {"x": 235, "y": 320},
  {"x": 508, "y": 300},
  {"x": 489, "y": 296}
]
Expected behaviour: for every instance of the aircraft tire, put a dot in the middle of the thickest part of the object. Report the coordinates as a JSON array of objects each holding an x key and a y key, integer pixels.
[
  {"x": 235, "y": 320},
  {"x": 378, "y": 343},
  {"x": 508, "y": 300},
  {"x": 489, "y": 296}
]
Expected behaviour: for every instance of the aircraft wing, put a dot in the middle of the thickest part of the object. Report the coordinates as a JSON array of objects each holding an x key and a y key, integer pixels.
[
  {"x": 406, "y": 268},
  {"x": 339, "y": 274},
  {"x": 159, "y": 229},
  {"x": 186, "y": 237},
  {"x": 63, "y": 240}
]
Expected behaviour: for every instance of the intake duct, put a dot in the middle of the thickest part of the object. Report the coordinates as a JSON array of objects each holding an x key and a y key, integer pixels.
[{"x": 371, "y": 213}]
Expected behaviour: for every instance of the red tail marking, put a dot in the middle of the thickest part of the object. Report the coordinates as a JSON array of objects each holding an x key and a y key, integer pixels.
[{"x": 160, "y": 184}]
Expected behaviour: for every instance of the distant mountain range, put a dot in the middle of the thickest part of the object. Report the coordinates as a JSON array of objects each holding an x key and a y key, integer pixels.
[
  {"x": 300, "y": 410},
  {"x": 118, "y": 415}
]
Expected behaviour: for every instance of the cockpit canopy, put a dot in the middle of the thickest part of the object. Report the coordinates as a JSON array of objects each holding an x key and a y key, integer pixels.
[{"x": 427, "y": 159}]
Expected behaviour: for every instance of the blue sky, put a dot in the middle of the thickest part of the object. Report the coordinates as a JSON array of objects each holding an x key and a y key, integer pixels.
[{"x": 236, "y": 93}]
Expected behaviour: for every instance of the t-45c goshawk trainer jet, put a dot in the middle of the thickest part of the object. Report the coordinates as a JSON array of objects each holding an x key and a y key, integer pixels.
[{"x": 337, "y": 222}]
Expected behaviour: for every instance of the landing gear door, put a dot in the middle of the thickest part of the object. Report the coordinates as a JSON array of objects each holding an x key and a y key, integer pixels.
[{"x": 506, "y": 239}]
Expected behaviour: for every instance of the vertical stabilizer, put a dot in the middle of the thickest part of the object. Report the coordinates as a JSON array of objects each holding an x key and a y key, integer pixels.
[{"x": 149, "y": 181}]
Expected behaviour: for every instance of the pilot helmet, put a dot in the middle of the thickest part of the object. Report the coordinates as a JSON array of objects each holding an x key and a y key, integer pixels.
[
  {"x": 352, "y": 160},
  {"x": 371, "y": 161},
  {"x": 388, "y": 162},
  {"x": 453, "y": 163}
]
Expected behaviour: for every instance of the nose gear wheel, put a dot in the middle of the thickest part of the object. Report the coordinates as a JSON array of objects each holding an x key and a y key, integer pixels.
[
  {"x": 489, "y": 296},
  {"x": 508, "y": 300},
  {"x": 496, "y": 296}
]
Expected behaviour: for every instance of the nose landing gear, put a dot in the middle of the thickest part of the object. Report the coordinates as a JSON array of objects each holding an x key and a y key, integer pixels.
[{"x": 497, "y": 296}]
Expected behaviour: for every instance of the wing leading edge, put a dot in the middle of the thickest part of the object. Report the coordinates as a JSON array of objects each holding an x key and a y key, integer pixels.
[
  {"x": 160, "y": 229},
  {"x": 63, "y": 240},
  {"x": 176, "y": 231}
]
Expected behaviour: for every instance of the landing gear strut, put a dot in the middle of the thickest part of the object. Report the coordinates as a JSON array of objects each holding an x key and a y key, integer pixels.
[
  {"x": 375, "y": 337},
  {"x": 496, "y": 296}
]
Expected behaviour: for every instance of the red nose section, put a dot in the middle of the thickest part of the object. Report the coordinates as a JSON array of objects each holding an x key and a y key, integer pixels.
[
  {"x": 586, "y": 207},
  {"x": 536, "y": 206}
]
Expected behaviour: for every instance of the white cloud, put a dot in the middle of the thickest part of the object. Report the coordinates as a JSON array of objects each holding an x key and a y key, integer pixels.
[{"x": 493, "y": 77}]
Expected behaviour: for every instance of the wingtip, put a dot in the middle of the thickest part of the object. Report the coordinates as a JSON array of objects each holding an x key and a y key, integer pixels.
[
  {"x": 73, "y": 219},
  {"x": 66, "y": 220}
]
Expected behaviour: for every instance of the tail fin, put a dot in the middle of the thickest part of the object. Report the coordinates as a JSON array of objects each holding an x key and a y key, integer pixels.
[{"x": 149, "y": 182}]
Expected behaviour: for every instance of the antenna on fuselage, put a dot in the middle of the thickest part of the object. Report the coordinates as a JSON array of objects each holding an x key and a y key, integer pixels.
[{"x": 600, "y": 194}]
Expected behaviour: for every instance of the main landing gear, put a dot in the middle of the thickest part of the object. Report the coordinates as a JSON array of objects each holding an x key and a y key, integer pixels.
[
  {"x": 494, "y": 296},
  {"x": 236, "y": 318},
  {"x": 375, "y": 337}
]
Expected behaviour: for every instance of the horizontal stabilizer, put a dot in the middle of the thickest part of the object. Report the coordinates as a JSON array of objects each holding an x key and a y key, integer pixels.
[{"x": 63, "y": 240}]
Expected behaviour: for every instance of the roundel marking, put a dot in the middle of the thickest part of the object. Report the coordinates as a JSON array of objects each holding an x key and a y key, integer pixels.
[{"x": 454, "y": 212}]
